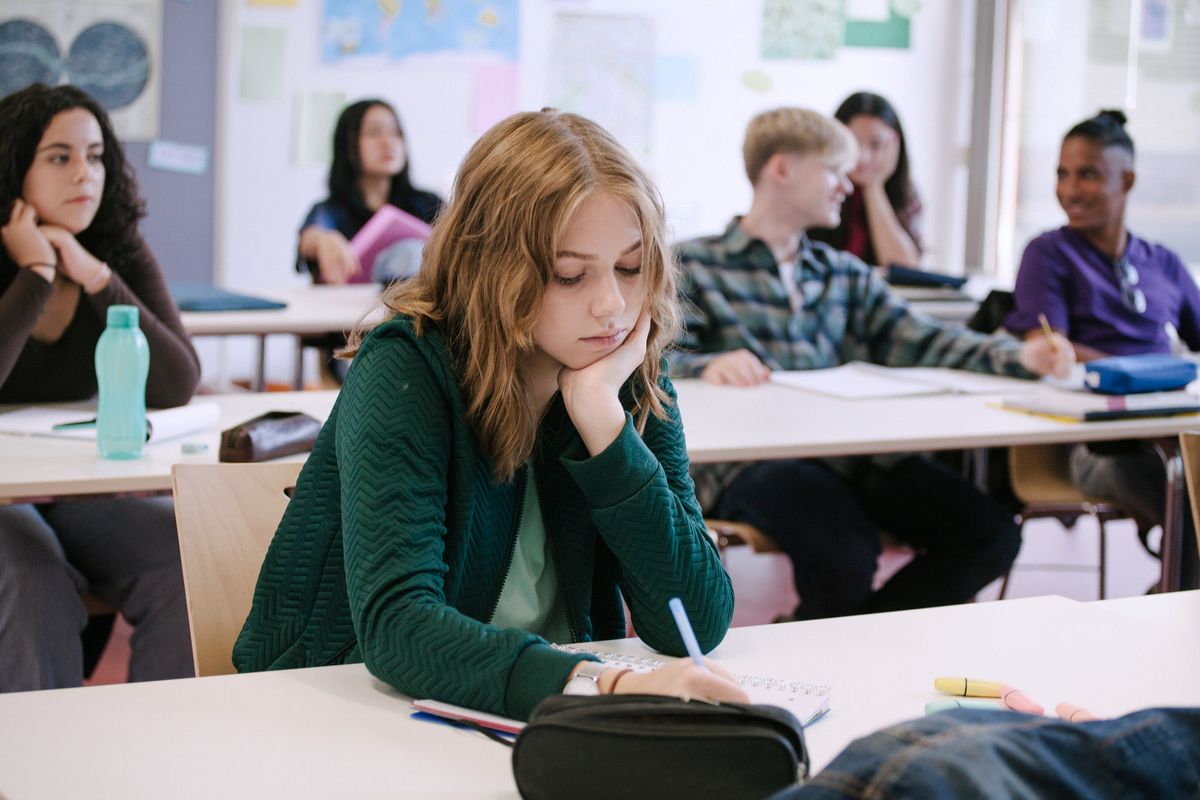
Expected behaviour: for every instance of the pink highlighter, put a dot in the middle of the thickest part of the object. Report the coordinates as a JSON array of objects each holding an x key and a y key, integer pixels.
[{"x": 1017, "y": 700}]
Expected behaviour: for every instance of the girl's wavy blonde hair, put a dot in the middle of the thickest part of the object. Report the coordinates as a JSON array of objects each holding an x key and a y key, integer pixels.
[{"x": 492, "y": 252}]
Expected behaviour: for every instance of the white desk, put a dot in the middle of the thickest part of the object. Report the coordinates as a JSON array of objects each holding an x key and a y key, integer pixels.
[
  {"x": 336, "y": 732},
  {"x": 40, "y": 467},
  {"x": 310, "y": 310},
  {"x": 1177, "y": 610},
  {"x": 726, "y": 423},
  {"x": 722, "y": 424}
]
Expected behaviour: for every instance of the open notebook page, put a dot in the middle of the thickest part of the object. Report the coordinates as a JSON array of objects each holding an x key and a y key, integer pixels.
[
  {"x": 862, "y": 381},
  {"x": 807, "y": 702},
  {"x": 854, "y": 381}
]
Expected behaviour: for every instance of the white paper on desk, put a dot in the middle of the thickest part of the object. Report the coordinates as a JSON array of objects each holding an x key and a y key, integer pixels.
[
  {"x": 862, "y": 381},
  {"x": 960, "y": 381},
  {"x": 854, "y": 381},
  {"x": 163, "y": 424}
]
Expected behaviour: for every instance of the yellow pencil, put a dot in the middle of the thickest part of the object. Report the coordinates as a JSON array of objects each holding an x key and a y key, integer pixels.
[{"x": 1048, "y": 333}]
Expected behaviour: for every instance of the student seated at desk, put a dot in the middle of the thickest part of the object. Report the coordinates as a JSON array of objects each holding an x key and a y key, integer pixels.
[
  {"x": 505, "y": 462},
  {"x": 369, "y": 170},
  {"x": 1111, "y": 293},
  {"x": 762, "y": 296},
  {"x": 881, "y": 217},
  {"x": 71, "y": 249}
]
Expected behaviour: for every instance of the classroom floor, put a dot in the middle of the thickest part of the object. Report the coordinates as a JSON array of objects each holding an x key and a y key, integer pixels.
[{"x": 1053, "y": 560}]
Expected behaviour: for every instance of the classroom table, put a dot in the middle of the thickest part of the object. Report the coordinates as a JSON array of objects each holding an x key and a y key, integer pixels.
[
  {"x": 726, "y": 423},
  {"x": 338, "y": 732},
  {"x": 311, "y": 309},
  {"x": 34, "y": 468},
  {"x": 721, "y": 424}
]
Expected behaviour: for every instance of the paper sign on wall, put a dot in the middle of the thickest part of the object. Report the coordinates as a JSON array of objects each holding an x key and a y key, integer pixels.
[
  {"x": 189, "y": 159},
  {"x": 313, "y": 121},
  {"x": 264, "y": 63}
]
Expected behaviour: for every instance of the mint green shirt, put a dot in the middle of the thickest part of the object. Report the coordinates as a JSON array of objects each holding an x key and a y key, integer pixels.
[{"x": 530, "y": 599}]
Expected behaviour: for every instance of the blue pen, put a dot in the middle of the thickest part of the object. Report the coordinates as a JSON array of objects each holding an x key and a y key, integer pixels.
[{"x": 685, "y": 630}]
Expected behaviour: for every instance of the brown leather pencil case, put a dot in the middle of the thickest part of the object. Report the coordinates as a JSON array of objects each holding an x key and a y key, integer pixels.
[{"x": 272, "y": 435}]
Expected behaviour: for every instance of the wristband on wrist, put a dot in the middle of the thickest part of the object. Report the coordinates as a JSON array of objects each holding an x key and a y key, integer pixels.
[
  {"x": 612, "y": 687},
  {"x": 99, "y": 281}
]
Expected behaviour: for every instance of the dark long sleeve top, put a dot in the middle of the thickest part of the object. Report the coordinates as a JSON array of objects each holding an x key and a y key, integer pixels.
[{"x": 64, "y": 370}]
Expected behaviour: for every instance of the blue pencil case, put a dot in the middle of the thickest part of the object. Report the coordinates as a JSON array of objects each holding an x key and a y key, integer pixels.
[{"x": 1151, "y": 372}]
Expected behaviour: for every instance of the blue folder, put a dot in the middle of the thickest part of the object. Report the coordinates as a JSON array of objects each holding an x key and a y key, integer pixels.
[{"x": 201, "y": 297}]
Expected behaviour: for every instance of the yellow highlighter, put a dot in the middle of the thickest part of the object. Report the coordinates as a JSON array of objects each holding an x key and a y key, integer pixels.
[{"x": 967, "y": 687}]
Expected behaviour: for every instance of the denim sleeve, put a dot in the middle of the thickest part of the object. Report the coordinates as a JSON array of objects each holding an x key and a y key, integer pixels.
[{"x": 974, "y": 753}]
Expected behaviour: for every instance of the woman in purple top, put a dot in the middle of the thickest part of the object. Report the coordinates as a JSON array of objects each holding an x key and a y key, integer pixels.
[
  {"x": 1103, "y": 288},
  {"x": 1110, "y": 293}
]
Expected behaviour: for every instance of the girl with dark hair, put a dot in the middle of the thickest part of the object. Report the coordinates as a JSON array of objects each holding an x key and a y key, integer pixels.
[
  {"x": 369, "y": 170},
  {"x": 71, "y": 249},
  {"x": 881, "y": 217}
]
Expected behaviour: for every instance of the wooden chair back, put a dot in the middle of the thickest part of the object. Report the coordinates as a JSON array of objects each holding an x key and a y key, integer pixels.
[
  {"x": 226, "y": 515},
  {"x": 1040, "y": 474}
]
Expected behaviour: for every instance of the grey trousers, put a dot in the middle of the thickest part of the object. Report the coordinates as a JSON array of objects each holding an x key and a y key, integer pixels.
[
  {"x": 1137, "y": 482},
  {"x": 1134, "y": 481},
  {"x": 125, "y": 552}
]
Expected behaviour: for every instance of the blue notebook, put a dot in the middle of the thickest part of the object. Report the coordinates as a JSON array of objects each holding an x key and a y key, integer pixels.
[{"x": 201, "y": 297}]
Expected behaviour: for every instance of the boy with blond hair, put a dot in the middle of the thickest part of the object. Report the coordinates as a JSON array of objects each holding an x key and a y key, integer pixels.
[{"x": 761, "y": 297}]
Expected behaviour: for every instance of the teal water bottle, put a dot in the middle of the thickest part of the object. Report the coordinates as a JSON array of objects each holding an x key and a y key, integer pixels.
[{"x": 122, "y": 363}]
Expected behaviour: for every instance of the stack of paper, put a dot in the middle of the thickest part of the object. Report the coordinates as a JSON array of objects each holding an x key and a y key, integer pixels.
[{"x": 1086, "y": 407}]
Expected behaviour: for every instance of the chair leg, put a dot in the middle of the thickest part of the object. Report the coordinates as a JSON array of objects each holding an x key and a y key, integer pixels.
[
  {"x": 1004, "y": 585},
  {"x": 1103, "y": 555}
]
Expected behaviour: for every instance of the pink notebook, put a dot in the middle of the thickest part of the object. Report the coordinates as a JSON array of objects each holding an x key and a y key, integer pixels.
[{"x": 386, "y": 227}]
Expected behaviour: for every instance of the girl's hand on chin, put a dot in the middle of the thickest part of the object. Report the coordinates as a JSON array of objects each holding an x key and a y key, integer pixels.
[
  {"x": 25, "y": 243},
  {"x": 590, "y": 394},
  {"x": 608, "y": 374}
]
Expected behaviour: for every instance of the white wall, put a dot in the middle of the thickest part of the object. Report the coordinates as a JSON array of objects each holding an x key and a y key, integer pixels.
[
  {"x": 1063, "y": 84},
  {"x": 695, "y": 152}
]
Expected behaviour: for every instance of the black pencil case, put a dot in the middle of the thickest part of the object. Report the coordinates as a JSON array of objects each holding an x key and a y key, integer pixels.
[
  {"x": 648, "y": 746},
  {"x": 271, "y": 435}
]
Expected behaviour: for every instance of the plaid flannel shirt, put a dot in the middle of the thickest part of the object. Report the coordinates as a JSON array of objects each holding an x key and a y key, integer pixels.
[{"x": 734, "y": 298}]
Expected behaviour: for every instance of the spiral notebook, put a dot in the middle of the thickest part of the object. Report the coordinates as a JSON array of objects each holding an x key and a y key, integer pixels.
[{"x": 808, "y": 702}]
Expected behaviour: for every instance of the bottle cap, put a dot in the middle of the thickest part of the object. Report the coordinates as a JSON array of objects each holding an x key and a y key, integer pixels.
[{"x": 122, "y": 316}]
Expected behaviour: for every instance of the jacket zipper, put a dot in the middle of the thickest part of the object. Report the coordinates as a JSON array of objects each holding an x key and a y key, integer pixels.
[{"x": 512, "y": 540}]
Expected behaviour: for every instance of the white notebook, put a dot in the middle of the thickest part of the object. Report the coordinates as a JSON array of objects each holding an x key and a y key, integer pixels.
[
  {"x": 808, "y": 702},
  {"x": 72, "y": 423},
  {"x": 862, "y": 381}
]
